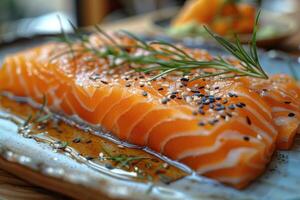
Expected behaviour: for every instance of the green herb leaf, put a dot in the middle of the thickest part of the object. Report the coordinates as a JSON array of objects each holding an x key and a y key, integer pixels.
[{"x": 168, "y": 58}]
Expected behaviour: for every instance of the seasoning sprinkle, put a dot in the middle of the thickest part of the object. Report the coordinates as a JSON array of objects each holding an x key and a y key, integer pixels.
[
  {"x": 164, "y": 100},
  {"x": 76, "y": 140},
  {"x": 219, "y": 108},
  {"x": 229, "y": 114},
  {"x": 173, "y": 96},
  {"x": 248, "y": 120},
  {"x": 240, "y": 105},
  {"x": 183, "y": 79},
  {"x": 89, "y": 158},
  {"x": 88, "y": 141},
  {"x": 144, "y": 93},
  {"x": 291, "y": 114},
  {"x": 201, "y": 124},
  {"x": 231, "y": 107},
  {"x": 230, "y": 94},
  {"x": 213, "y": 121},
  {"x": 201, "y": 111},
  {"x": 104, "y": 82},
  {"x": 246, "y": 138}
]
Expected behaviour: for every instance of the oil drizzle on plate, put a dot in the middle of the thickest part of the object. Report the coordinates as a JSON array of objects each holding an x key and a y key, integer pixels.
[{"x": 96, "y": 152}]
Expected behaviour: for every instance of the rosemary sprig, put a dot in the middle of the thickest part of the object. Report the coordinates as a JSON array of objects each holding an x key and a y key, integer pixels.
[
  {"x": 39, "y": 117},
  {"x": 164, "y": 58},
  {"x": 123, "y": 160}
]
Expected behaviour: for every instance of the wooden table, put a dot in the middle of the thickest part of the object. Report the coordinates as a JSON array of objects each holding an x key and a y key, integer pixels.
[{"x": 13, "y": 188}]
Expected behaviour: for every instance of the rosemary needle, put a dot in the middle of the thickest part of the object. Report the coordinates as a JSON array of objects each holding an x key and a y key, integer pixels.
[{"x": 164, "y": 58}]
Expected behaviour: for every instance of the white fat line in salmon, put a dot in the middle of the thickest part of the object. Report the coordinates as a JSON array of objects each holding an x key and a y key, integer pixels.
[{"x": 231, "y": 160}]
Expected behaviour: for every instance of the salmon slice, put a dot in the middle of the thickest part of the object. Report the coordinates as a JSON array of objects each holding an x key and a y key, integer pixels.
[
  {"x": 281, "y": 92},
  {"x": 225, "y": 130}
]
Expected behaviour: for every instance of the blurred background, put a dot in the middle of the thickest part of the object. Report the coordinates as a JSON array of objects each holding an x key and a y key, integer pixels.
[{"x": 20, "y": 18}]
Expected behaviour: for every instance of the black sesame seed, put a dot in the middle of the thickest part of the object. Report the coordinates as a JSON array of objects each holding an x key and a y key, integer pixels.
[
  {"x": 240, "y": 105},
  {"x": 179, "y": 97},
  {"x": 218, "y": 98},
  {"x": 229, "y": 114},
  {"x": 174, "y": 92},
  {"x": 219, "y": 108},
  {"x": 201, "y": 87},
  {"x": 109, "y": 166},
  {"x": 159, "y": 89},
  {"x": 246, "y": 138},
  {"x": 211, "y": 99},
  {"x": 89, "y": 158},
  {"x": 248, "y": 120},
  {"x": 287, "y": 102},
  {"x": 201, "y": 111},
  {"x": 184, "y": 79},
  {"x": 225, "y": 101},
  {"x": 173, "y": 96},
  {"x": 211, "y": 106},
  {"x": 218, "y": 104},
  {"x": 231, "y": 107},
  {"x": 104, "y": 82},
  {"x": 76, "y": 140},
  {"x": 291, "y": 114},
  {"x": 194, "y": 90},
  {"x": 216, "y": 88},
  {"x": 244, "y": 105},
  {"x": 201, "y": 124},
  {"x": 230, "y": 94},
  {"x": 127, "y": 85},
  {"x": 144, "y": 93},
  {"x": 164, "y": 100},
  {"x": 88, "y": 142}
]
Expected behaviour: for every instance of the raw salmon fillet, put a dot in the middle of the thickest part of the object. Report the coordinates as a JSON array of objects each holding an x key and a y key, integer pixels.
[
  {"x": 223, "y": 129},
  {"x": 282, "y": 94}
]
